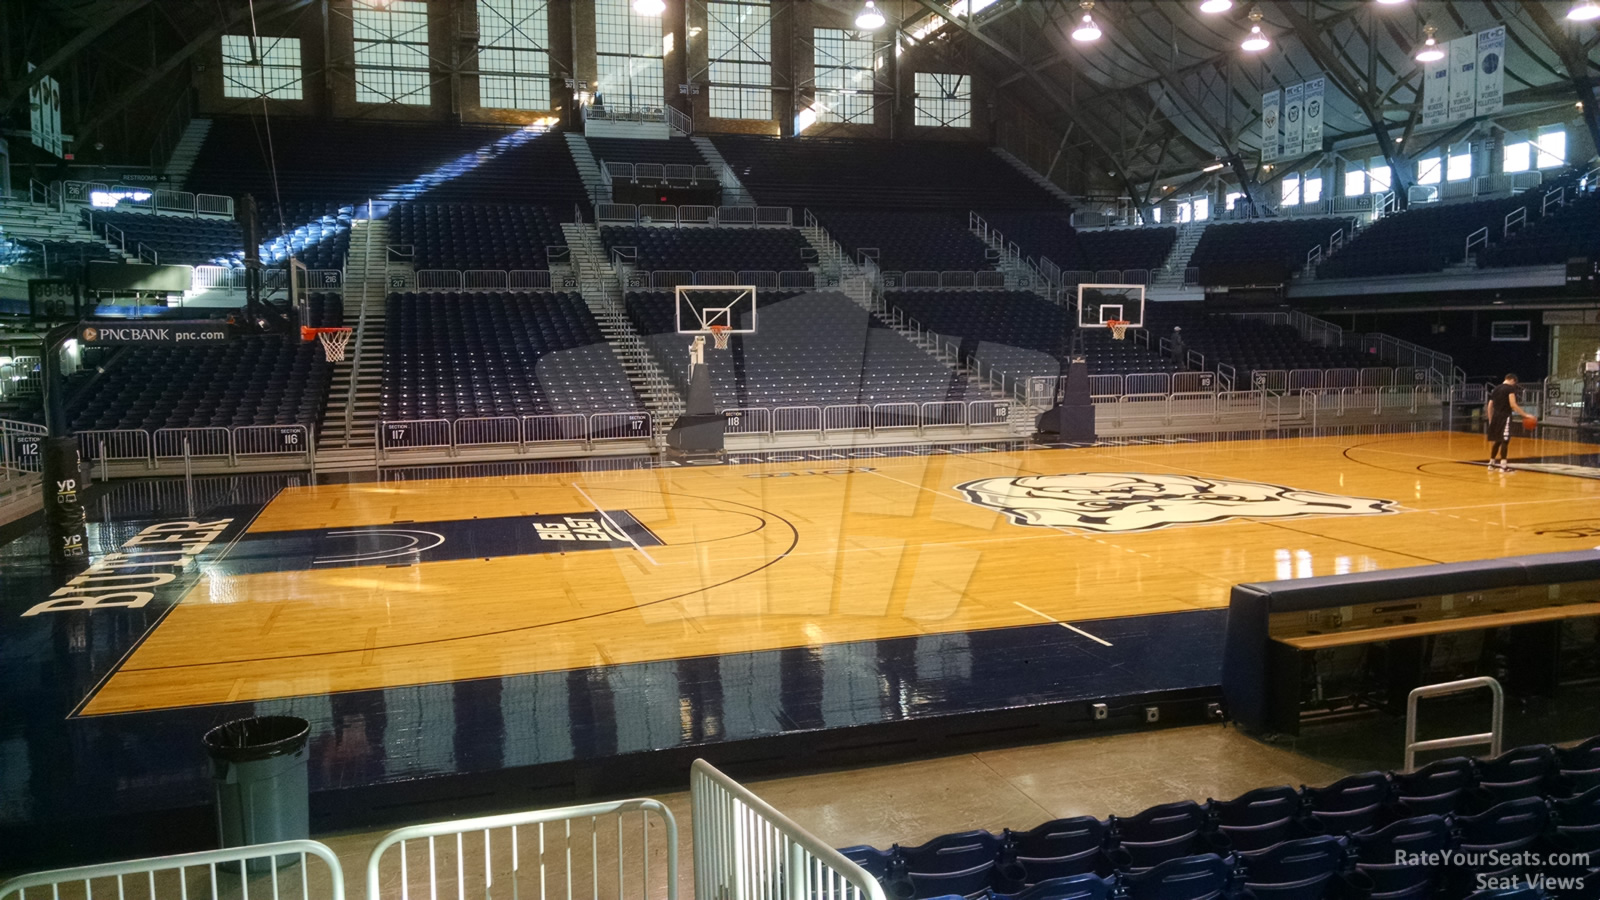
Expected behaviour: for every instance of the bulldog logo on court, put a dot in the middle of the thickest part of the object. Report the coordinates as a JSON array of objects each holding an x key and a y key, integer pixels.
[{"x": 1138, "y": 501}]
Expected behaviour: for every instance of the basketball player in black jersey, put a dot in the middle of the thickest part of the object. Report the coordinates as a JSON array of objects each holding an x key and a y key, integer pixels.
[{"x": 1502, "y": 403}]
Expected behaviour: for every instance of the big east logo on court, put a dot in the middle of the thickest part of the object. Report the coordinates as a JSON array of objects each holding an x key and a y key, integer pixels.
[{"x": 1137, "y": 501}]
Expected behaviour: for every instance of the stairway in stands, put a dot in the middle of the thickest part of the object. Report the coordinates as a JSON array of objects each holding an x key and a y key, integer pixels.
[
  {"x": 347, "y": 438},
  {"x": 1170, "y": 277},
  {"x": 187, "y": 149},
  {"x": 857, "y": 285},
  {"x": 594, "y": 183},
  {"x": 1051, "y": 187},
  {"x": 734, "y": 192},
  {"x": 39, "y": 222},
  {"x": 602, "y": 292}
]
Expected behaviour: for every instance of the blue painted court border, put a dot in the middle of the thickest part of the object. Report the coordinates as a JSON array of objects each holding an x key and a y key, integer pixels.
[{"x": 86, "y": 788}]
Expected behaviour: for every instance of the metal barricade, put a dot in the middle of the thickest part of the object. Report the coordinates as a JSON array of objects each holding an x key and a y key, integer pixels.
[
  {"x": 943, "y": 413},
  {"x": 887, "y": 416},
  {"x": 697, "y": 215},
  {"x": 114, "y": 445},
  {"x": 286, "y": 863},
  {"x": 774, "y": 215},
  {"x": 667, "y": 279},
  {"x": 677, "y": 172},
  {"x": 1099, "y": 386},
  {"x": 529, "y": 280},
  {"x": 619, "y": 426},
  {"x": 1141, "y": 406},
  {"x": 847, "y": 417},
  {"x": 1239, "y": 402},
  {"x": 1196, "y": 404},
  {"x": 1375, "y": 376},
  {"x": 20, "y": 446},
  {"x": 477, "y": 431},
  {"x": 272, "y": 440},
  {"x": 554, "y": 428},
  {"x": 716, "y": 276},
  {"x": 1305, "y": 379},
  {"x": 988, "y": 412},
  {"x": 956, "y": 279},
  {"x": 743, "y": 848},
  {"x": 921, "y": 279},
  {"x": 484, "y": 280},
  {"x": 807, "y": 279},
  {"x": 658, "y": 213},
  {"x": 572, "y": 852},
  {"x": 413, "y": 434},
  {"x": 747, "y": 420},
  {"x": 649, "y": 171},
  {"x": 1269, "y": 380},
  {"x": 1147, "y": 383},
  {"x": 990, "y": 279},
  {"x": 1340, "y": 378},
  {"x": 619, "y": 170},
  {"x": 759, "y": 279},
  {"x": 174, "y": 201},
  {"x": 616, "y": 212},
  {"x": 736, "y": 215},
  {"x": 791, "y": 419},
  {"x": 1358, "y": 399},
  {"x": 1194, "y": 382},
  {"x": 1491, "y": 737},
  {"x": 213, "y": 205},
  {"x": 438, "y": 280}
]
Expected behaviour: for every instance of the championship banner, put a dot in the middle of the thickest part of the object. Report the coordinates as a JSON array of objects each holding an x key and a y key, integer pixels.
[
  {"x": 44, "y": 114},
  {"x": 152, "y": 332},
  {"x": 1491, "y": 70},
  {"x": 1315, "y": 89},
  {"x": 1269, "y": 125},
  {"x": 1294, "y": 108},
  {"x": 1436, "y": 92},
  {"x": 1463, "y": 77}
]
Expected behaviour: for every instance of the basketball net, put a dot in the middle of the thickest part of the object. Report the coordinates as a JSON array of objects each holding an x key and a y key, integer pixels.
[
  {"x": 333, "y": 341},
  {"x": 720, "y": 336},
  {"x": 1119, "y": 328}
]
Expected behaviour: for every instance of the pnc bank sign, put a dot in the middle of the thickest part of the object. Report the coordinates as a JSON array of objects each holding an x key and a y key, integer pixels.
[{"x": 107, "y": 333}]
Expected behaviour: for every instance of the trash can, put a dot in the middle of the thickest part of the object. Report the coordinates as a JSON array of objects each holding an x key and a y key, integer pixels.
[{"x": 260, "y": 768}]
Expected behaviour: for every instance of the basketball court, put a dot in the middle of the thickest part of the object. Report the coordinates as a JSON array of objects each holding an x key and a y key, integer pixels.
[{"x": 362, "y": 586}]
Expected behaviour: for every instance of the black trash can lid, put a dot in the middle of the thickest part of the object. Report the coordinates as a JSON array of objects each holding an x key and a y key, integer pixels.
[{"x": 257, "y": 738}]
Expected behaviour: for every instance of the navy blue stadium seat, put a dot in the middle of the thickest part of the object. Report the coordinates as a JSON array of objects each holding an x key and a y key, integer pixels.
[
  {"x": 907, "y": 240},
  {"x": 694, "y": 249},
  {"x": 1260, "y": 252},
  {"x": 1074, "y": 887},
  {"x": 1438, "y": 788},
  {"x": 1057, "y": 849},
  {"x": 1377, "y": 851},
  {"x": 1304, "y": 869},
  {"x": 1517, "y": 774},
  {"x": 1349, "y": 804},
  {"x": 1200, "y": 877},
  {"x": 1257, "y": 819},
  {"x": 476, "y": 235},
  {"x": 949, "y": 864},
  {"x": 1159, "y": 834},
  {"x": 1577, "y": 820}
]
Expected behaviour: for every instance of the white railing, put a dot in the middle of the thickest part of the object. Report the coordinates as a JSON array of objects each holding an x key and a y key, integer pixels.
[
  {"x": 662, "y": 214},
  {"x": 214, "y": 442},
  {"x": 952, "y": 280},
  {"x": 746, "y": 850},
  {"x": 19, "y": 447},
  {"x": 520, "y": 432},
  {"x": 1491, "y": 737},
  {"x": 571, "y": 853},
  {"x": 287, "y": 863},
  {"x": 470, "y": 280}
]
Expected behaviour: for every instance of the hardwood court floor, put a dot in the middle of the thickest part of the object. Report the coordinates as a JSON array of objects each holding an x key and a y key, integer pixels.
[{"x": 785, "y": 554}]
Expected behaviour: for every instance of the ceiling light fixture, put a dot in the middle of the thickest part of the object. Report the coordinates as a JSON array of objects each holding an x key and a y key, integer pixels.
[
  {"x": 1087, "y": 30},
  {"x": 1255, "y": 41},
  {"x": 1431, "y": 51},
  {"x": 1214, "y": 167},
  {"x": 1391, "y": 2},
  {"x": 1585, "y": 11},
  {"x": 649, "y": 7},
  {"x": 870, "y": 18},
  {"x": 1216, "y": 6}
]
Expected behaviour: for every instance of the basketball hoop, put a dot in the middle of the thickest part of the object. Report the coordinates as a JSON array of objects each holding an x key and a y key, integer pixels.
[
  {"x": 333, "y": 340},
  {"x": 720, "y": 335},
  {"x": 1119, "y": 328}
]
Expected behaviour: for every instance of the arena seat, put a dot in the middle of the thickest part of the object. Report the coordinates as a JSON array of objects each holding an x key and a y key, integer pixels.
[
  {"x": 450, "y": 356},
  {"x": 1304, "y": 869},
  {"x": 476, "y": 235},
  {"x": 1424, "y": 239},
  {"x": 734, "y": 249},
  {"x": 1057, "y": 849},
  {"x": 1257, "y": 819},
  {"x": 902, "y": 175},
  {"x": 55, "y": 253},
  {"x": 1088, "y": 886},
  {"x": 1160, "y": 834},
  {"x": 1201, "y": 877},
  {"x": 251, "y": 380},
  {"x": 1569, "y": 231},
  {"x": 1246, "y": 344},
  {"x": 679, "y": 151},
  {"x": 1267, "y": 251}
]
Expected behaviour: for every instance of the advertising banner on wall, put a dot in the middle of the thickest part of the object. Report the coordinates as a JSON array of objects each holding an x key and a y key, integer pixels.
[
  {"x": 1269, "y": 125},
  {"x": 1463, "y": 77},
  {"x": 1294, "y": 110},
  {"x": 1491, "y": 70},
  {"x": 1316, "y": 88}
]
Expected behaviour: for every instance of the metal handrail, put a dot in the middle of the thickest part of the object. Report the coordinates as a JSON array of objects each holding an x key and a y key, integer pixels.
[
  {"x": 1491, "y": 737},
  {"x": 537, "y": 817},
  {"x": 744, "y": 848},
  {"x": 17, "y": 887},
  {"x": 360, "y": 332}
]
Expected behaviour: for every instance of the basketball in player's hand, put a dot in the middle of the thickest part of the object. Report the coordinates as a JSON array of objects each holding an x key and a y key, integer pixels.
[{"x": 1529, "y": 423}]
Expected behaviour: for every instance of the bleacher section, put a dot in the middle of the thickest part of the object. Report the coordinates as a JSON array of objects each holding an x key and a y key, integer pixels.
[
  {"x": 1247, "y": 345},
  {"x": 1126, "y": 248},
  {"x": 318, "y": 234},
  {"x": 734, "y": 249},
  {"x": 177, "y": 240},
  {"x": 1279, "y": 843},
  {"x": 1573, "y": 230},
  {"x": 673, "y": 151},
  {"x": 253, "y": 380},
  {"x": 476, "y": 235},
  {"x": 451, "y": 356},
  {"x": 812, "y": 349},
  {"x": 56, "y": 253},
  {"x": 909, "y": 241},
  {"x": 1260, "y": 252},
  {"x": 1020, "y": 334},
  {"x": 847, "y": 174}
]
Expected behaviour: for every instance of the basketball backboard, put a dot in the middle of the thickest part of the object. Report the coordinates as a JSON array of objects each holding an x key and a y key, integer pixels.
[
  {"x": 699, "y": 307},
  {"x": 1099, "y": 304}
]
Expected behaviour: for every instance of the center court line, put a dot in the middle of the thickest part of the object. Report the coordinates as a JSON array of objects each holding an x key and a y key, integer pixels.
[
  {"x": 1103, "y": 643},
  {"x": 619, "y": 529}
]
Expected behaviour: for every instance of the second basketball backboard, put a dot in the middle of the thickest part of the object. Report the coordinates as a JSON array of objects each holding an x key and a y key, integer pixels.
[{"x": 700, "y": 307}]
